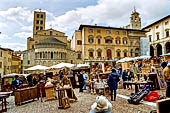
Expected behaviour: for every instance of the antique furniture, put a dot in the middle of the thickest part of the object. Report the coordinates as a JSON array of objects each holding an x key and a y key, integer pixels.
[
  {"x": 22, "y": 95},
  {"x": 137, "y": 84},
  {"x": 63, "y": 99},
  {"x": 49, "y": 90},
  {"x": 152, "y": 77},
  {"x": 3, "y": 103}
]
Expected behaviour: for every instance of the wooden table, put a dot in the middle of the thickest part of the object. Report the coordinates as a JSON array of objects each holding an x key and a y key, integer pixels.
[
  {"x": 6, "y": 93},
  {"x": 3, "y": 103},
  {"x": 137, "y": 84},
  {"x": 152, "y": 77}
]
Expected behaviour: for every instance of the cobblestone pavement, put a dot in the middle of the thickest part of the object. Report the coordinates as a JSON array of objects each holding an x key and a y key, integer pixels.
[{"x": 83, "y": 105}]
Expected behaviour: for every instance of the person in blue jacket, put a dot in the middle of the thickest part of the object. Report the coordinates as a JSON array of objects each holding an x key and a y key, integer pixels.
[
  {"x": 112, "y": 81},
  {"x": 16, "y": 83}
]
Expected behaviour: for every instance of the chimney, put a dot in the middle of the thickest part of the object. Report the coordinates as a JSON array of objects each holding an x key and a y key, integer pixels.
[{"x": 95, "y": 24}]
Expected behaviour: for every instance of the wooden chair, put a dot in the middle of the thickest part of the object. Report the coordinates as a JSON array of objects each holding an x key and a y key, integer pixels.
[{"x": 63, "y": 100}]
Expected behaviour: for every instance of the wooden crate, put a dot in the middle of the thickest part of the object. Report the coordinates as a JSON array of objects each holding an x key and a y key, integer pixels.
[
  {"x": 50, "y": 94},
  {"x": 22, "y": 95}
]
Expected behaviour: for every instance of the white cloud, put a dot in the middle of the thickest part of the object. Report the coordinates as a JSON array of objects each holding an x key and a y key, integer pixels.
[
  {"x": 27, "y": 28},
  {"x": 24, "y": 35},
  {"x": 3, "y": 25},
  {"x": 4, "y": 36},
  {"x": 17, "y": 14},
  {"x": 114, "y": 13},
  {"x": 14, "y": 46}
]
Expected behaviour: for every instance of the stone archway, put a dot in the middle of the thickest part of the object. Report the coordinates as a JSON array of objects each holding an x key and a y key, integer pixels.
[
  {"x": 167, "y": 47},
  {"x": 151, "y": 51},
  {"x": 109, "y": 54},
  {"x": 159, "y": 49}
]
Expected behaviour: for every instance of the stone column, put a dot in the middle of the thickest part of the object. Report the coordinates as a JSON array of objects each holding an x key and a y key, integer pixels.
[
  {"x": 163, "y": 48},
  {"x": 42, "y": 55}
]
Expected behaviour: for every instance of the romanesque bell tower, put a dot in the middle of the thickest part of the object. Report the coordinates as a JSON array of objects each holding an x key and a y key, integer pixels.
[
  {"x": 135, "y": 20},
  {"x": 39, "y": 21}
]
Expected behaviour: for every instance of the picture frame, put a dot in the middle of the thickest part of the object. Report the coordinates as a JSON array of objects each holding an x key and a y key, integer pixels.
[{"x": 162, "y": 83}]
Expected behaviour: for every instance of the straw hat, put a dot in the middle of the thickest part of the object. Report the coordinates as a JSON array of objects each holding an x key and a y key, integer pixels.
[{"x": 101, "y": 104}]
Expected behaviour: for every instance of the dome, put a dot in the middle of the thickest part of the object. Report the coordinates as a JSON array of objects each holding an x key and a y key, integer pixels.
[{"x": 51, "y": 40}]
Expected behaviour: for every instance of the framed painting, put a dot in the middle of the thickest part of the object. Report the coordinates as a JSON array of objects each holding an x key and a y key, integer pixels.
[{"x": 162, "y": 83}]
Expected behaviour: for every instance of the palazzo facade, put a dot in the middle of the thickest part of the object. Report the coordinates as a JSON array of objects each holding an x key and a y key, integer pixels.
[
  {"x": 99, "y": 44},
  {"x": 159, "y": 36}
]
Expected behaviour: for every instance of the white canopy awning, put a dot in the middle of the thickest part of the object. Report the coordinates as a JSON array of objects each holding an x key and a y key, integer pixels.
[
  {"x": 142, "y": 57},
  {"x": 167, "y": 54},
  {"x": 61, "y": 65},
  {"x": 82, "y": 65},
  {"x": 13, "y": 74},
  {"x": 125, "y": 60},
  {"x": 37, "y": 67}
]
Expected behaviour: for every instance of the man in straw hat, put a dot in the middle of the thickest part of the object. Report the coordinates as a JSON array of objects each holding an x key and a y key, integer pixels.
[
  {"x": 166, "y": 77},
  {"x": 101, "y": 105}
]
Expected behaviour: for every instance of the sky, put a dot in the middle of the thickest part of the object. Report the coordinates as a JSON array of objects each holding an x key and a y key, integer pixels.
[{"x": 16, "y": 16}]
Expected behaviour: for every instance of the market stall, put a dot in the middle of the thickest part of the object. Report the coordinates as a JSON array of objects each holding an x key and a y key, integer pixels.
[
  {"x": 77, "y": 69},
  {"x": 143, "y": 70},
  {"x": 7, "y": 80}
]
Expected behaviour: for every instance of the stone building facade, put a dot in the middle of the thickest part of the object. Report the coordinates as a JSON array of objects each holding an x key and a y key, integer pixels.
[
  {"x": 16, "y": 64},
  {"x": 106, "y": 44},
  {"x": 158, "y": 33},
  {"x": 98, "y": 44},
  {"x": 5, "y": 61},
  {"x": 48, "y": 46}
]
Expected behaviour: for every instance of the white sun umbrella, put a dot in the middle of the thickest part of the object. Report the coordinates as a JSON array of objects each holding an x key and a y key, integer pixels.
[
  {"x": 61, "y": 65},
  {"x": 37, "y": 67}
]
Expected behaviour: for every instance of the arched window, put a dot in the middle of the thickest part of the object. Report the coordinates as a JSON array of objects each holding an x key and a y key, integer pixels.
[
  {"x": 108, "y": 39},
  {"x": 52, "y": 55},
  {"x": 98, "y": 39},
  {"x": 90, "y": 39},
  {"x": 118, "y": 53},
  {"x": 40, "y": 55},
  {"x": 99, "y": 53},
  {"x": 91, "y": 52},
  {"x": 136, "y": 52},
  {"x": 125, "y": 40},
  {"x": 118, "y": 40},
  {"x": 125, "y": 53},
  {"x": 131, "y": 52}
]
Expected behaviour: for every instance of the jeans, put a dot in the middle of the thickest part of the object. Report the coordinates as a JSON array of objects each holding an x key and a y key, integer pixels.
[
  {"x": 108, "y": 111},
  {"x": 168, "y": 89},
  {"x": 84, "y": 87}
]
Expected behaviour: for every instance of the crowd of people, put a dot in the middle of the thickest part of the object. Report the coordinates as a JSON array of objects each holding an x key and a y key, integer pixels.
[{"x": 97, "y": 82}]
